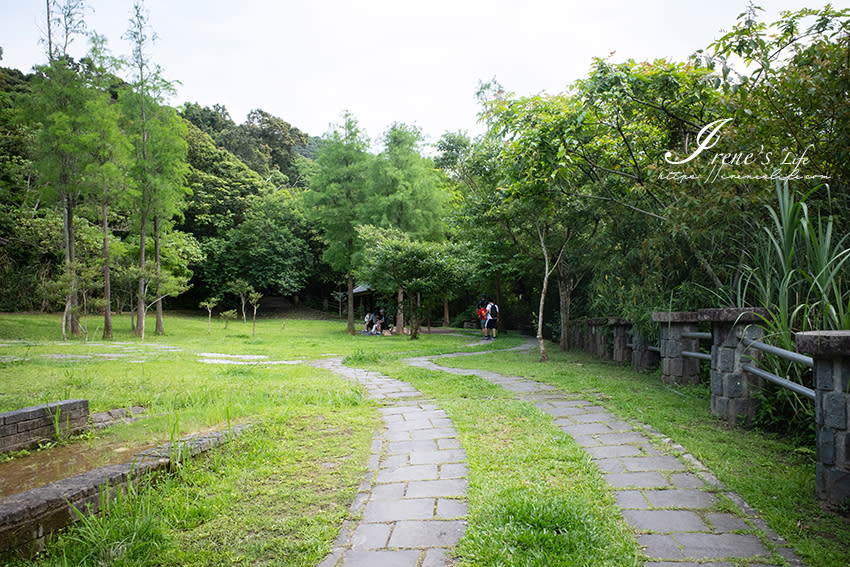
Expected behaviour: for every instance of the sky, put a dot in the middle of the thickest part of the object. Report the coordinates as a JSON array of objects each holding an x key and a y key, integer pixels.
[{"x": 385, "y": 61}]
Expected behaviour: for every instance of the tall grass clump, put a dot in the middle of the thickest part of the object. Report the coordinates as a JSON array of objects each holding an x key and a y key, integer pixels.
[
  {"x": 126, "y": 533},
  {"x": 797, "y": 269}
]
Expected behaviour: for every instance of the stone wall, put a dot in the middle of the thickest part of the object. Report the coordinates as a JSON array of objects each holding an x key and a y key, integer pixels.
[
  {"x": 26, "y": 428},
  {"x": 28, "y": 518}
]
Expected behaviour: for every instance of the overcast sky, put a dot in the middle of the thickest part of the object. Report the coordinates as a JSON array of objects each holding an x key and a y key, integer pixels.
[{"x": 385, "y": 60}]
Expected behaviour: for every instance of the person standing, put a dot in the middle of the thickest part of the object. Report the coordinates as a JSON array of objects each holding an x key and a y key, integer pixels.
[
  {"x": 492, "y": 319},
  {"x": 482, "y": 316}
]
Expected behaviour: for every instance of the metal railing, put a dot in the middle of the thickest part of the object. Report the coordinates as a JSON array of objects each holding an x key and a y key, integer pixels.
[
  {"x": 778, "y": 380},
  {"x": 696, "y": 335}
]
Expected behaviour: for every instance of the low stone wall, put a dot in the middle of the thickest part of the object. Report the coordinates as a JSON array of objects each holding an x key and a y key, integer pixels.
[
  {"x": 27, "y": 518},
  {"x": 26, "y": 428}
]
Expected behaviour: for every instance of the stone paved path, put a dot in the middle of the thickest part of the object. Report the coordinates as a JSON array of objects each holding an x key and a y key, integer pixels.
[
  {"x": 411, "y": 507},
  {"x": 667, "y": 496}
]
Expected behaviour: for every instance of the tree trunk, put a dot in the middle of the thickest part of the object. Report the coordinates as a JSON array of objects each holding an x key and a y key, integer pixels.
[
  {"x": 351, "y": 330},
  {"x": 140, "y": 300},
  {"x": 566, "y": 284},
  {"x": 107, "y": 286},
  {"x": 446, "y": 321},
  {"x": 399, "y": 316},
  {"x": 160, "y": 322}
]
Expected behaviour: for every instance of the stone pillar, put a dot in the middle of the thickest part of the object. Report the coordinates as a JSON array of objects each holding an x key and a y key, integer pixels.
[
  {"x": 831, "y": 353},
  {"x": 675, "y": 368},
  {"x": 620, "y": 330},
  {"x": 643, "y": 359},
  {"x": 731, "y": 387}
]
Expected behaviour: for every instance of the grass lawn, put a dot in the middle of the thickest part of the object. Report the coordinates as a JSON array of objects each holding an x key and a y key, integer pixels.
[{"x": 278, "y": 493}]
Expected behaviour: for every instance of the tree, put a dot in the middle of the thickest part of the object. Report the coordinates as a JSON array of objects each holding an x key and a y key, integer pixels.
[
  {"x": 209, "y": 304},
  {"x": 108, "y": 151},
  {"x": 404, "y": 192},
  {"x": 243, "y": 289},
  {"x": 270, "y": 250},
  {"x": 160, "y": 164},
  {"x": 254, "y": 298},
  {"x": 422, "y": 270},
  {"x": 335, "y": 202}
]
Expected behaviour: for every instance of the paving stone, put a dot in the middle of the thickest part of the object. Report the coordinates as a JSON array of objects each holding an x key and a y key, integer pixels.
[
  {"x": 381, "y": 558},
  {"x": 587, "y": 440},
  {"x": 388, "y": 491},
  {"x": 610, "y": 465},
  {"x": 660, "y": 546},
  {"x": 454, "y": 470},
  {"x": 435, "y": 558},
  {"x": 437, "y": 457},
  {"x": 680, "y": 498},
  {"x": 664, "y": 521},
  {"x": 662, "y": 463},
  {"x": 725, "y": 523},
  {"x": 435, "y": 433},
  {"x": 402, "y": 509},
  {"x": 594, "y": 417},
  {"x": 435, "y": 533},
  {"x": 397, "y": 435},
  {"x": 444, "y": 422},
  {"x": 436, "y": 488},
  {"x": 331, "y": 558},
  {"x": 408, "y": 473},
  {"x": 399, "y": 447},
  {"x": 395, "y": 461},
  {"x": 584, "y": 428},
  {"x": 612, "y": 451},
  {"x": 452, "y": 508},
  {"x": 621, "y": 438},
  {"x": 637, "y": 479},
  {"x": 620, "y": 426},
  {"x": 569, "y": 403},
  {"x": 557, "y": 411},
  {"x": 411, "y": 425},
  {"x": 720, "y": 545},
  {"x": 631, "y": 499},
  {"x": 370, "y": 536},
  {"x": 448, "y": 444},
  {"x": 686, "y": 480}
]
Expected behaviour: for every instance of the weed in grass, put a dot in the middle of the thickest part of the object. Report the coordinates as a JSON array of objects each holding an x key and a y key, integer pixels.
[{"x": 361, "y": 356}]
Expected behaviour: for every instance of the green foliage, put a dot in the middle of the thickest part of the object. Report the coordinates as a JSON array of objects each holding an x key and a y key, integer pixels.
[{"x": 424, "y": 271}]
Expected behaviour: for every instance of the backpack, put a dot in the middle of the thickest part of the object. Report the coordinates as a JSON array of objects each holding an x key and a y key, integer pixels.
[
  {"x": 482, "y": 313},
  {"x": 494, "y": 311}
]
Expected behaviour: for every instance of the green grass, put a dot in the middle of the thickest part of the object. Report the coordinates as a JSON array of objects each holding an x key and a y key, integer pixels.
[
  {"x": 277, "y": 494},
  {"x": 772, "y": 474}
]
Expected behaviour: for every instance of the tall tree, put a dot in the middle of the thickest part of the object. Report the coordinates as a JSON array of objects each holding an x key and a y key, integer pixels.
[
  {"x": 108, "y": 148},
  {"x": 59, "y": 99},
  {"x": 405, "y": 192},
  {"x": 338, "y": 193},
  {"x": 160, "y": 164}
]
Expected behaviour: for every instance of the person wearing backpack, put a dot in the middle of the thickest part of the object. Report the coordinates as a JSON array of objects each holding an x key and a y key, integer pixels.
[{"x": 492, "y": 319}]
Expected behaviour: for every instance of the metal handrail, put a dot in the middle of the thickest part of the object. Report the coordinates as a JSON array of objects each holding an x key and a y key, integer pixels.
[
  {"x": 781, "y": 352},
  {"x": 793, "y": 386},
  {"x": 696, "y": 335},
  {"x": 700, "y": 355}
]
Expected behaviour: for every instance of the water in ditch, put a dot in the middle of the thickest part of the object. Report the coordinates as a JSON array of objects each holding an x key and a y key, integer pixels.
[{"x": 48, "y": 465}]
